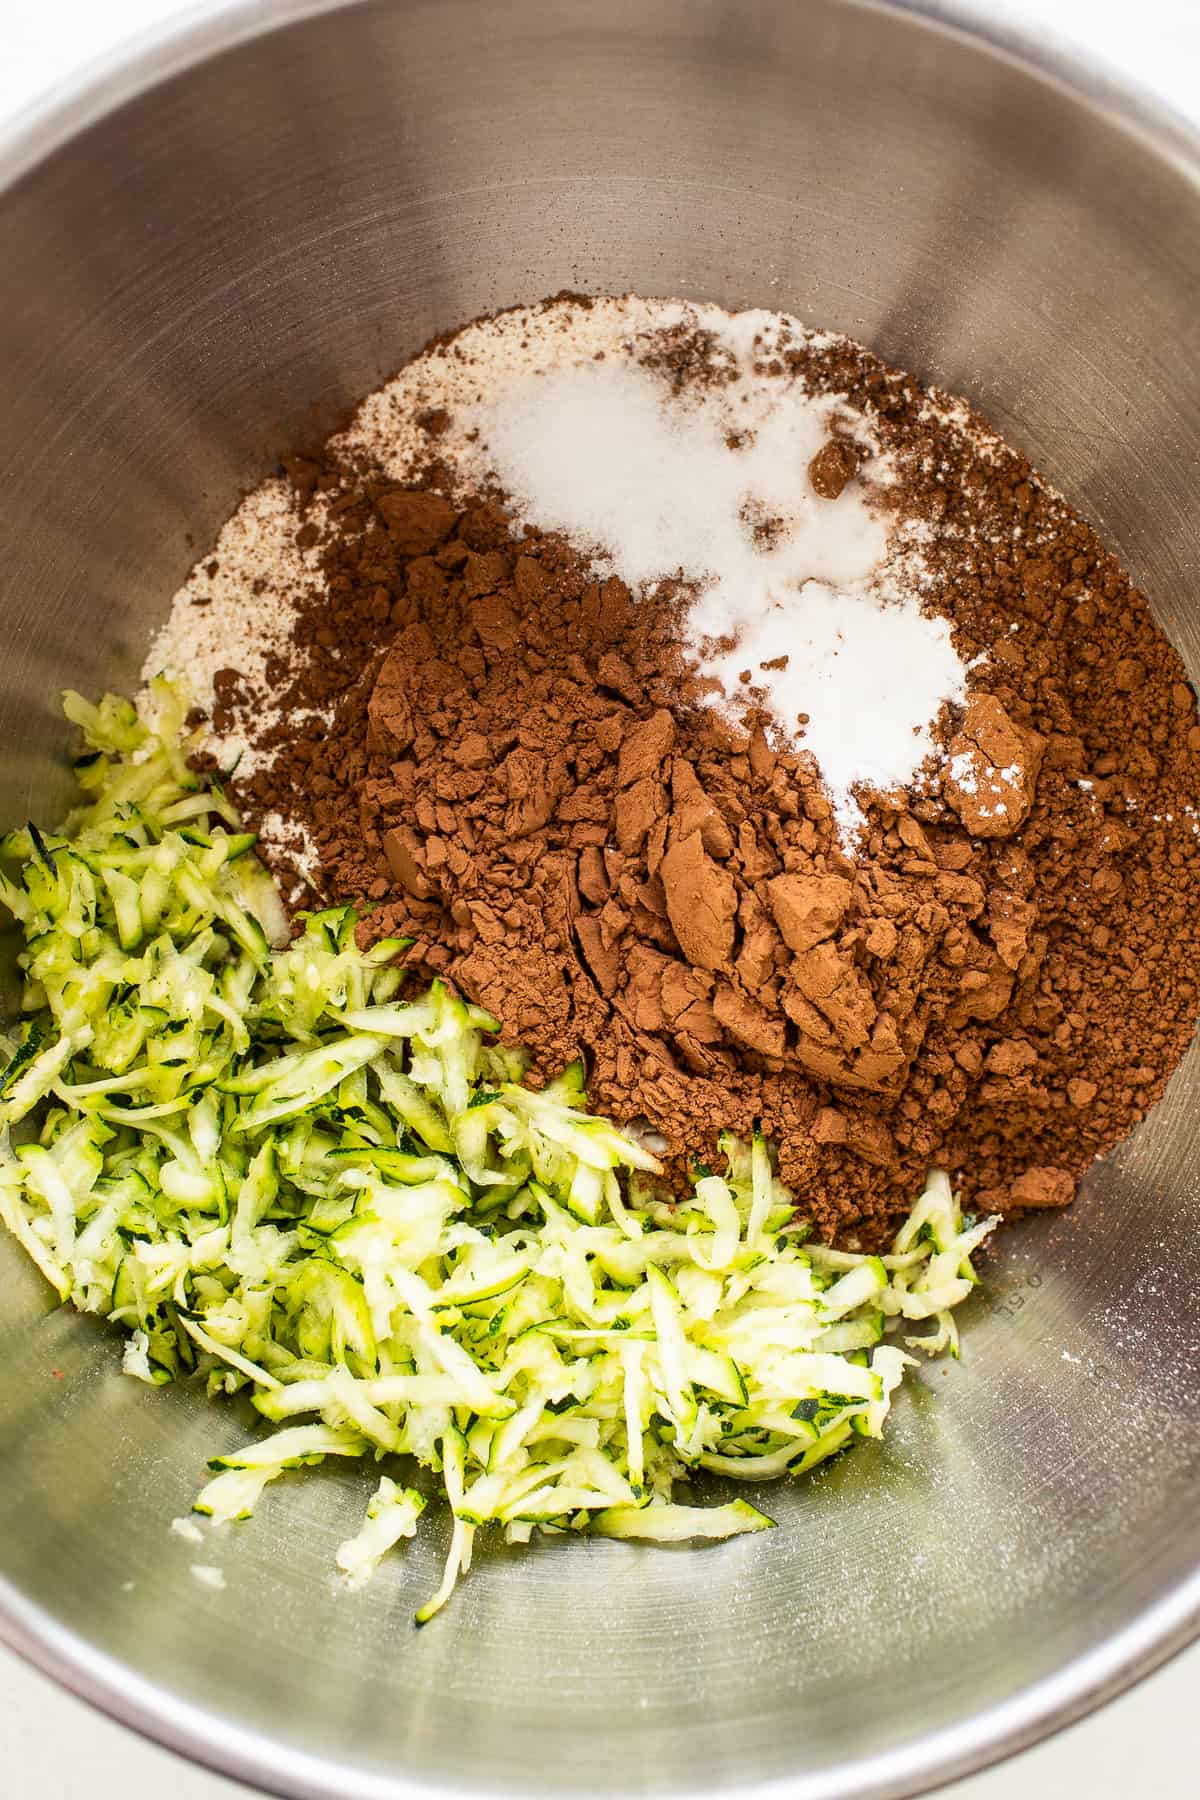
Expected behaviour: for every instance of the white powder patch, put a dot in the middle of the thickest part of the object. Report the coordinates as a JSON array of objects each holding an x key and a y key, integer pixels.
[
  {"x": 240, "y": 614},
  {"x": 208, "y": 1576},
  {"x": 708, "y": 486},
  {"x": 188, "y": 1530},
  {"x": 603, "y": 454},
  {"x": 871, "y": 678},
  {"x": 294, "y": 840},
  {"x": 961, "y": 770}
]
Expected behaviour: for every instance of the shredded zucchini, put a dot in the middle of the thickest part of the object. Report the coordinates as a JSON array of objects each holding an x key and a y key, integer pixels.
[{"x": 273, "y": 1167}]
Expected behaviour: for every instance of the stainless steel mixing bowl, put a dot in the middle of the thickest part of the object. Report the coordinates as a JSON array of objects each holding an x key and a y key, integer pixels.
[{"x": 202, "y": 258}]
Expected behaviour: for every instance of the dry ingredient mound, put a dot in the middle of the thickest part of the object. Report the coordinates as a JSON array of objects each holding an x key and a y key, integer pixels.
[{"x": 514, "y": 759}]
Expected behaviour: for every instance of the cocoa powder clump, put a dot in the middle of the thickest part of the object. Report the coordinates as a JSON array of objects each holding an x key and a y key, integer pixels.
[{"x": 519, "y": 774}]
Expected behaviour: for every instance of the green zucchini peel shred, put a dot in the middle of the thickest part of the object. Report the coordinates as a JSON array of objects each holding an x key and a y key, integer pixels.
[{"x": 275, "y": 1169}]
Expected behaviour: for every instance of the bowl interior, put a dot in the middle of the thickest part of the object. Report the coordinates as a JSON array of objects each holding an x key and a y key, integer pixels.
[{"x": 208, "y": 275}]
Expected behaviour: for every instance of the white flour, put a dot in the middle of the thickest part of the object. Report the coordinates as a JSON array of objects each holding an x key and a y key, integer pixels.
[{"x": 219, "y": 621}]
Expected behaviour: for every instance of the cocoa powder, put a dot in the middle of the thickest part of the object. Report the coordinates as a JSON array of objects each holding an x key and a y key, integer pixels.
[{"x": 517, "y": 773}]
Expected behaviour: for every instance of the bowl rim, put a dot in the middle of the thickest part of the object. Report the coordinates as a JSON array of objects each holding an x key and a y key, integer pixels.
[{"x": 32, "y": 135}]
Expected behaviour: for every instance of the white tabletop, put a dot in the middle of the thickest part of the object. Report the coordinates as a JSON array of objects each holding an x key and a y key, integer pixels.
[{"x": 1143, "y": 1745}]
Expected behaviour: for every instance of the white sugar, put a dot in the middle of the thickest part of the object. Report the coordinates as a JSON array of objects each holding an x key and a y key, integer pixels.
[
  {"x": 711, "y": 485},
  {"x": 871, "y": 678},
  {"x": 602, "y": 453}
]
